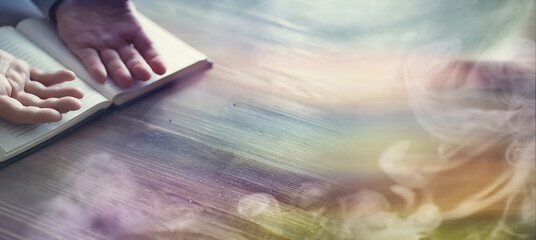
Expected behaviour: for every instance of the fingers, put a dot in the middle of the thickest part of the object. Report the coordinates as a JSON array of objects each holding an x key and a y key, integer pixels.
[
  {"x": 51, "y": 78},
  {"x": 135, "y": 63},
  {"x": 43, "y": 92},
  {"x": 91, "y": 60},
  {"x": 144, "y": 45},
  {"x": 60, "y": 98},
  {"x": 116, "y": 68},
  {"x": 116, "y": 58},
  {"x": 13, "y": 111},
  {"x": 62, "y": 105},
  {"x": 122, "y": 64}
]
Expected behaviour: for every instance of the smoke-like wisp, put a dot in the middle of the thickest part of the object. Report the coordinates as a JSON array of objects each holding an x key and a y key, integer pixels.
[{"x": 474, "y": 106}]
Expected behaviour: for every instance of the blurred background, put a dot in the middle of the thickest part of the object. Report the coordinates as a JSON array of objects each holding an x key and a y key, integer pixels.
[{"x": 428, "y": 107}]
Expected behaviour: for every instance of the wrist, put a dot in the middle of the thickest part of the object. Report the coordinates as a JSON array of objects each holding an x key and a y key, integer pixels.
[
  {"x": 52, "y": 12},
  {"x": 101, "y": 3},
  {"x": 106, "y": 7}
]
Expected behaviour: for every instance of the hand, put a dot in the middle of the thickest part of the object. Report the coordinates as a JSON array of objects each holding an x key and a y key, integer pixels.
[
  {"x": 495, "y": 77},
  {"x": 108, "y": 39},
  {"x": 27, "y": 95}
]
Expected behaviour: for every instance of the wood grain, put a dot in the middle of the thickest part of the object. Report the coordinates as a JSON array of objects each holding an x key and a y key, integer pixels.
[{"x": 269, "y": 144}]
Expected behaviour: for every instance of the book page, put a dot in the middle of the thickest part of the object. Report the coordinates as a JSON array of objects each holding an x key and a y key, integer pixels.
[
  {"x": 14, "y": 136},
  {"x": 176, "y": 54}
]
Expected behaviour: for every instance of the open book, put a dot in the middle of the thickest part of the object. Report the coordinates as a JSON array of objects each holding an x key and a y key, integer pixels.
[{"x": 36, "y": 41}]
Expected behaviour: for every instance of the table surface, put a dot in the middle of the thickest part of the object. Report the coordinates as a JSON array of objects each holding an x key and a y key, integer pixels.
[{"x": 301, "y": 130}]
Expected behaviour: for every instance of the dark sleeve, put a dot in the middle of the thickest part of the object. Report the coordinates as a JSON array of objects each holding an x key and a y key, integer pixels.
[{"x": 48, "y": 7}]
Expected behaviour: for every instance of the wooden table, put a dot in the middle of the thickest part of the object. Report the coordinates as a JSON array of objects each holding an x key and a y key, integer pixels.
[{"x": 282, "y": 139}]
